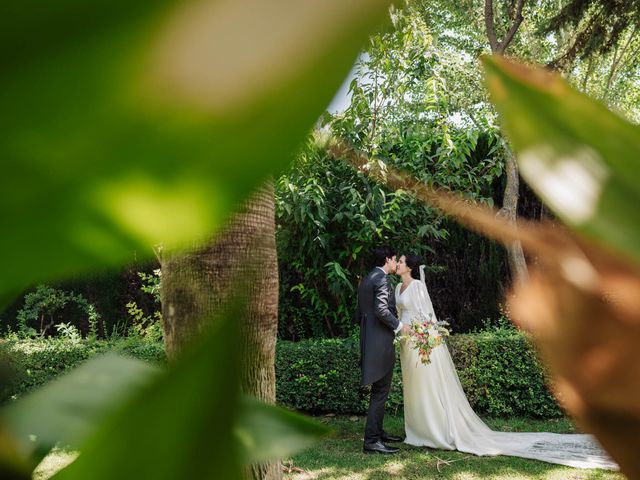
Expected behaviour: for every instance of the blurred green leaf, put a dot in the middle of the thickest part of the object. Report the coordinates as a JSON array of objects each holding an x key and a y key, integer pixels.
[
  {"x": 179, "y": 426},
  {"x": 266, "y": 432},
  {"x": 579, "y": 157},
  {"x": 124, "y": 125},
  {"x": 68, "y": 409},
  {"x": 13, "y": 464}
]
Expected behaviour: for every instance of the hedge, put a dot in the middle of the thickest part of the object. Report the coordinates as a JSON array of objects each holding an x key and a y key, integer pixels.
[
  {"x": 499, "y": 372},
  {"x": 29, "y": 364}
]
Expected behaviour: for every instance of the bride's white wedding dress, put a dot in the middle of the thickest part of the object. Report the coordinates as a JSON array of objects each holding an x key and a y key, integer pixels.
[{"x": 438, "y": 415}]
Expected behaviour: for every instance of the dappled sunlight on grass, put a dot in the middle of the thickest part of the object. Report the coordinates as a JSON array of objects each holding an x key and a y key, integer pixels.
[
  {"x": 465, "y": 476},
  {"x": 341, "y": 457},
  {"x": 312, "y": 475},
  {"x": 394, "y": 468}
]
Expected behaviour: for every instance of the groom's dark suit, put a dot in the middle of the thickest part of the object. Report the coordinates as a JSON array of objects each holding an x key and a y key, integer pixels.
[{"x": 376, "y": 315}]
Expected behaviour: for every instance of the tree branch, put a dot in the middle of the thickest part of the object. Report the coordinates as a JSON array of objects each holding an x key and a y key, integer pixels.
[
  {"x": 587, "y": 74},
  {"x": 513, "y": 29},
  {"x": 617, "y": 61},
  {"x": 565, "y": 60},
  {"x": 488, "y": 20}
]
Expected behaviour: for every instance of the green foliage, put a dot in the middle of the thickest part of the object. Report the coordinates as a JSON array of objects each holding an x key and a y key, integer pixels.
[
  {"x": 160, "y": 151},
  {"x": 588, "y": 178},
  {"x": 151, "y": 283},
  {"x": 142, "y": 124},
  {"x": 599, "y": 26},
  {"x": 145, "y": 326},
  {"x": 499, "y": 372},
  {"x": 498, "y": 369},
  {"x": 594, "y": 43},
  {"x": 329, "y": 216},
  {"x": 502, "y": 375},
  {"x": 320, "y": 375},
  {"x": 69, "y": 332},
  {"x": 265, "y": 432},
  {"x": 42, "y": 309},
  {"x": 404, "y": 111},
  {"x": 38, "y": 361},
  {"x": 48, "y": 416}
]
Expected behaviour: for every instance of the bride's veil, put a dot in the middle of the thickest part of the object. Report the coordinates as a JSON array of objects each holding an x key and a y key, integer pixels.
[{"x": 422, "y": 276}]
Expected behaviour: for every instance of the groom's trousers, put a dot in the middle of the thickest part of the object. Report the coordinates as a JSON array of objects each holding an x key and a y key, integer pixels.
[{"x": 379, "y": 393}]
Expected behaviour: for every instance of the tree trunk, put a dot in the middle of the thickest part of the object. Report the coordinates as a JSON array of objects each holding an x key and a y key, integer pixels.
[
  {"x": 196, "y": 284},
  {"x": 509, "y": 210}
]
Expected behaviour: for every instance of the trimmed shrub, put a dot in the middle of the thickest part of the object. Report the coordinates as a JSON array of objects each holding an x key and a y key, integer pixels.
[
  {"x": 32, "y": 363},
  {"x": 502, "y": 374},
  {"x": 499, "y": 372}
]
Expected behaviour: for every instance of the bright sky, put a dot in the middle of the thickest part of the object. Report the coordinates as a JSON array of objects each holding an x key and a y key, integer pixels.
[{"x": 342, "y": 98}]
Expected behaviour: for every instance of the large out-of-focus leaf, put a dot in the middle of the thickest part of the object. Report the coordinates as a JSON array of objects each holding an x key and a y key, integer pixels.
[
  {"x": 179, "y": 426},
  {"x": 68, "y": 409},
  {"x": 582, "y": 159},
  {"x": 266, "y": 432},
  {"x": 125, "y": 124},
  {"x": 13, "y": 464}
]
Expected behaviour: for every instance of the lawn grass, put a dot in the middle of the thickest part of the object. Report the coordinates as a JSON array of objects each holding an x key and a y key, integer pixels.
[{"x": 341, "y": 457}]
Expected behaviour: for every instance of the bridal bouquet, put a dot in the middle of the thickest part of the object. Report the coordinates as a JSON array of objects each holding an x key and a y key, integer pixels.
[{"x": 427, "y": 335}]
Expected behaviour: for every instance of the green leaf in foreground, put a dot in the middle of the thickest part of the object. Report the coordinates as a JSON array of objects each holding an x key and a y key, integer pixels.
[
  {"x": 267, "y": 432},
  {"x": 69, "y": 409},
  {"x": 128, "y": 124},
  {"x": 179, "y": 426},
  {"x": 580, "y": 158}
]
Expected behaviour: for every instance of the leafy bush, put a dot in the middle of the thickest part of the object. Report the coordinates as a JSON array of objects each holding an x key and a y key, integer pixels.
[
  {"x": 148, "y": 327},
  {"x": 330, "y": 216},
  {"x": 498, "y": 370},
  {"x": 43, "y": 307},
  {"x": 32, "y": 363}
]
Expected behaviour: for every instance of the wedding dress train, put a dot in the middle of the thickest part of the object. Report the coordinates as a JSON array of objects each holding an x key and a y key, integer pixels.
[{"x": 438, "y": 415}]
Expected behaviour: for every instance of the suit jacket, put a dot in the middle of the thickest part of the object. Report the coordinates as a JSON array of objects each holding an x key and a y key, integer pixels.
[{"x": 376, "y": 315}]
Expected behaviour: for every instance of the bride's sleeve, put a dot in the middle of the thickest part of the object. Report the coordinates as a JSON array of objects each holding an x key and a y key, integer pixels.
[
  {"x": 423, "y": 302},
  {"x": 398, "y": 306}
]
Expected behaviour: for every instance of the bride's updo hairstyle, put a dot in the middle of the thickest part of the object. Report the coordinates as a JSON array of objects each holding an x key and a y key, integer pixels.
[{"x": 413, "y": 262}]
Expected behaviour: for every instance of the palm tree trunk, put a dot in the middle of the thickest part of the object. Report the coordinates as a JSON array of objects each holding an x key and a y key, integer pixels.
[{"x": 198, "y": 283}]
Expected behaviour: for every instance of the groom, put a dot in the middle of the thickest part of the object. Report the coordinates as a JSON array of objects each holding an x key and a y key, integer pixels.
[{"x": 378, "y": 326}]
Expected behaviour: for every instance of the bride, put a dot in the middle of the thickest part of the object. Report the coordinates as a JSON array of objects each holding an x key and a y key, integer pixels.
[{"x": 437, "y": 413}]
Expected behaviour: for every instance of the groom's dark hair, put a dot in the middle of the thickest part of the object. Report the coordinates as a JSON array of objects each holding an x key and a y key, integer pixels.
[{"x": 379, "y": 255}]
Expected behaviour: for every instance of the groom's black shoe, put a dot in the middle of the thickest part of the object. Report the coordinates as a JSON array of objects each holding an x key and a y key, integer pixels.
[
  {"x": 378, "y": 447},
  {"x": 390, "y": 438}
]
